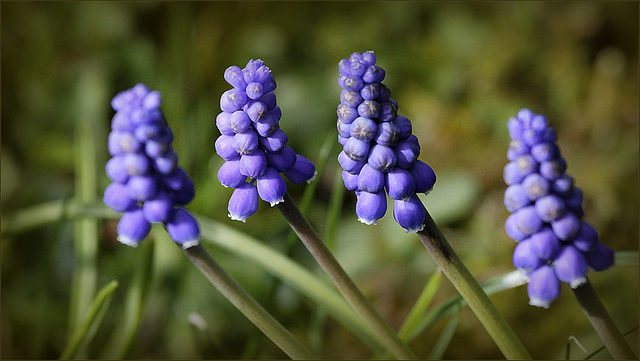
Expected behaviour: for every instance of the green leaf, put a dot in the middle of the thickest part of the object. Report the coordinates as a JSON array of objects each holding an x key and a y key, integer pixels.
[
  {"x": 87, "y": 328},
  {"x": 129, "y": 320},
  {"x": 445, "y": 336},
  {"x": 291, "y": 273},
  {"x": 413, "y": 319}
]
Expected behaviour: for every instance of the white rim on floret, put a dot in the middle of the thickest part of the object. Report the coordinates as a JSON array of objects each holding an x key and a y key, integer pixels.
[
  {"x": 128, "y": 241},
  {"x": 276, "y": 201},
  {"x": 415, "y": 230},
  {"x": 190, "y": 243},
  {"x": 312, "y": 178},
  {"x": 578, "y": 282},
  {"x": 539, "y": 302},
  {"x": 238, "y": 218},
  {"x": 368, "y": 223}
]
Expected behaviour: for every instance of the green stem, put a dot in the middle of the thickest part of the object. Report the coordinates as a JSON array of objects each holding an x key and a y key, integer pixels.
[
  {"x": 470, "y": 290},
  {"x": 246, "y": 304},
  {"x": 90, "y": 95},
  {"x": 345, "y": 285},
  {"x": 603, "y": 323}
]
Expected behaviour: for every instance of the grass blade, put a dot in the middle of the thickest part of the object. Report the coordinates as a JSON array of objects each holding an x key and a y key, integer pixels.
[
  {"x": 129, "y": 320},
  {"x": 87, "y": 328},
  {"x": 291, "y": 273},
  {"x": 445, "y": 337},
  {"x": 424, "y": 300}
]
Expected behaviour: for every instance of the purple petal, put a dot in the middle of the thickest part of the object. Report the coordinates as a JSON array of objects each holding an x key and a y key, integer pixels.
[
  {"x": 543, "y": 287},
  {"x": 243, "y": 202},
  {"x": 183, "y": 228},
  {"x": 571, "y": 266},
  {"x": 133, "y": 227},
  {"x": 370, "y": 180},
  {"x": 409, "y": 214},
  {"x": 302, "y": 171},
  {"x": 271, "y": 187},
  {"x": 371, "y": 206}
]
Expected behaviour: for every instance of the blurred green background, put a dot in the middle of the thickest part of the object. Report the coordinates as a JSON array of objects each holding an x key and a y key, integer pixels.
[{"x": 458, "y": 71}]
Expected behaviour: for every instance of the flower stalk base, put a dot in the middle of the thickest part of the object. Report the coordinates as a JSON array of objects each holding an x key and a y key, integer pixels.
[
  {"x": 603, "y": 323},
  {"x": 470, "y": 290},
  {"x": 345, "y": 285},
  {"x": 246, "y": 304}
]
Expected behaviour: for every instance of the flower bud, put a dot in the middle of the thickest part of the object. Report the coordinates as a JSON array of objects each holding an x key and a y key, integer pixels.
[
  {"x": 271, "y": 187},
  {"x": 243, "y": 202},
  {"x": 225, "y": 148},
  {"x": 600, "y": 257},
  {"x": 544, "y": 244},
  {"x": 406, "y": 153},
  {"x": 515, "y": 197},
  {"x": 566, "y": 227},
  {"x": 233, "y": 75},
  {"x": 282, "y": 160},
  {"x": 543, "y": 287},
  {"x": 524, "y": 258},
  {"x": 229, "y": 174},
  {"x": 239, "y": 121},
  {"x": 550, "y": 208},
  {"x": 302, "y": 171},
  {"x": 371, "y": 206},
  {"x": 158, "y": 208},
  {"x": 571, "y": 266},
  {"x": 586, "y": 238},
  {"x": 275, "y": 142},
  {"x": 370, "y": 180},
  {"x": 245, "y": 143},
  {"x": 400, "y": 184},
  {"x": 363, "y": 129},
  {"x": 253, "y": 165},
  {"x": 133, "y": 227},
  {"x": 141, "y": 188},
  {"x": 117, "y": 198},
  {"x": 183, "y": 228},
  {"x": 382, "y": 158},
  {"x": 356, "y": 149},
  {"x": 409, "y": 214}
]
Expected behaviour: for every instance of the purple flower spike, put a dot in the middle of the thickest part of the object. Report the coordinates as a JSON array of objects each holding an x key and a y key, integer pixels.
[
  {"x": 253, "y": 145},
  {"x": 378, "y": 147},
  {"x": 148, "y": 184},
  {"x": 543, "y": 287},
  {"x": 546, "y": 209}
]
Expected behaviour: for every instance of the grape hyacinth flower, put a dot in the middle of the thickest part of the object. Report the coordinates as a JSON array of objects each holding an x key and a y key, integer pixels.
[
  {"x": 252, "y": 144},
  {"x": 380, "y": 154},
  {"x": 554, "y": 243},
  {"x": 148, "y": 185}
]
